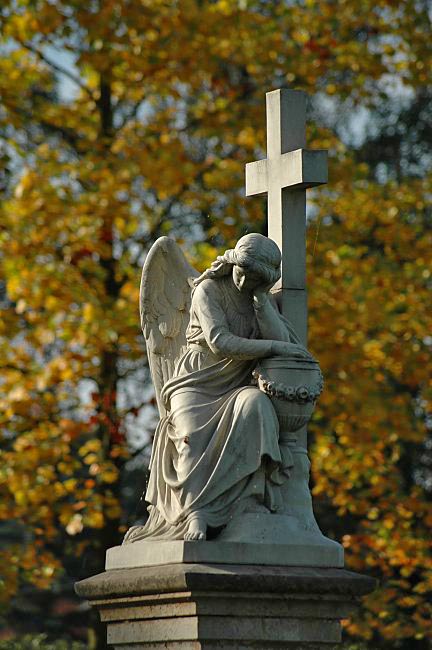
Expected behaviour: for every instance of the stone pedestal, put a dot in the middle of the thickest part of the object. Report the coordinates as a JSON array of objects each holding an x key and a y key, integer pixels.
[
  {"x": 225, "y": 607},
  {"x": 279, "y": 541}
]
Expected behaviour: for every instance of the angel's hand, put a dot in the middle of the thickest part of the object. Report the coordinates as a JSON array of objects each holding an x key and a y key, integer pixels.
[
  {"x": 284, "y": 349},
  {"x": 261, "y": 294}
]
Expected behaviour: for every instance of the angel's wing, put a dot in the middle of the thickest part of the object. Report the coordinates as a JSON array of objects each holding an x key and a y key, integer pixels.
[{"x": 165, "y": 298}]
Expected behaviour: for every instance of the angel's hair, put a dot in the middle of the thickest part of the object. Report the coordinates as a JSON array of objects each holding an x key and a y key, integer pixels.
[{"x": 253, "y": 252}]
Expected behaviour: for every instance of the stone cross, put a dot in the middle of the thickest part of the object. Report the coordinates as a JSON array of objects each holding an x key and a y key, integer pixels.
[{"x": 284, "y": 175}]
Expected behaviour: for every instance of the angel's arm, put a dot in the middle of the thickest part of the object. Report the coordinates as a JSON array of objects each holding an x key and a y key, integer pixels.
[
  {"x": 217, "y": 333},
  {"x": 271, "y": 322}
]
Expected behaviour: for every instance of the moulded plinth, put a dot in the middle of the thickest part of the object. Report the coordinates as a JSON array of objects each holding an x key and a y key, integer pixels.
[{"x": 224, "y": 607}]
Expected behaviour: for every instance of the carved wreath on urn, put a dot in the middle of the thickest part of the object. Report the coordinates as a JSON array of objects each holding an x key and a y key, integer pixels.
[{"x": 300, "y": 394}]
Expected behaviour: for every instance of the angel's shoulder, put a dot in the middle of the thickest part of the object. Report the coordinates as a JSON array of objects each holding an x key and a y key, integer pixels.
[{"x": 207, "y": 291}]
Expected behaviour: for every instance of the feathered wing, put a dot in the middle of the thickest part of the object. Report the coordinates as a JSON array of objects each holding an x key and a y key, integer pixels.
[{"x": 165, "y": 298}]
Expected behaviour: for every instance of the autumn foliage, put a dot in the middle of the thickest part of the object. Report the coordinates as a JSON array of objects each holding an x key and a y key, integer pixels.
[{"x": 124, "y": 120}]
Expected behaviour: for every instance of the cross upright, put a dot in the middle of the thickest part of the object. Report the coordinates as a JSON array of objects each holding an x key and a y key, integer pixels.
[{"x": 284, "y": 175}]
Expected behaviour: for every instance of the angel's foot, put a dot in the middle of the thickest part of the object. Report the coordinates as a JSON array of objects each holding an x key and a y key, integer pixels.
[{"x": 197, "y": 529}]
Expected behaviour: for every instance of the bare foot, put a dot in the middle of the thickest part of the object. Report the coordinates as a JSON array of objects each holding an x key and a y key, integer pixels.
[{"x": 197, "y": 529}]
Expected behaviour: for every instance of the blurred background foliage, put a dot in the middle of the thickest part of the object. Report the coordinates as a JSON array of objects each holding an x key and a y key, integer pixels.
[{"x": 122, "y": 120}]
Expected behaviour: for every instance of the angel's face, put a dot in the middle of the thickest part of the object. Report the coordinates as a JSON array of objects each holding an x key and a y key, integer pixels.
[{"x": 245, "y": 280}]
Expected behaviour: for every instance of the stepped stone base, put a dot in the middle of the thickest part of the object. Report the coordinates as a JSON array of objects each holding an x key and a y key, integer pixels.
[{"x": 224, "y": 607}]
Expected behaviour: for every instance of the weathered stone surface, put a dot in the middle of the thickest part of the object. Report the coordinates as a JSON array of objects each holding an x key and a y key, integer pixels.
[
  {"x": 223, "y": 645},
  {"x": 220, "y": 445},
  {"x": 284, "y": 176},
  {"x": 229, "y": 460},
  {"x": 223, "y": 446},
  {"x": 225, "y": 628},
  {"x": 301, "y": 548},
  {"x": 207, "y": 577},
  {"x": 187, "y": 606}
]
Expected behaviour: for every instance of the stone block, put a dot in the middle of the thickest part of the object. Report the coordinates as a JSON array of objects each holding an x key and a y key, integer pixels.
[
  {"x": 209, "y": 607},
  {"x": 251, "y": 538}
]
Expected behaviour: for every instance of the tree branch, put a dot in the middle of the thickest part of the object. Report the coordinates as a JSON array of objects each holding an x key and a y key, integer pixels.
[
  {"x": 59, "y": 68},
  {"x": 68, "y": 135}
]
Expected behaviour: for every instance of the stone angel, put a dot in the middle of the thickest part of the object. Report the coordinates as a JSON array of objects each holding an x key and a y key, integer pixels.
[{"x": 216, "y": 449}]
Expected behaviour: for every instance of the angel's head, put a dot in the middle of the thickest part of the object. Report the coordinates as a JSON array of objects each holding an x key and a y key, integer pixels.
[{"x": 255, "y": 261}]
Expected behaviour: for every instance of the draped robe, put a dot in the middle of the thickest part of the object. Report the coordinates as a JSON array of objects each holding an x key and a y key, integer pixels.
[{"x": 218, "y": 444}]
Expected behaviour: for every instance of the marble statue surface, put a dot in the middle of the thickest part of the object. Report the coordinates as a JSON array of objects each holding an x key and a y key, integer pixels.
[{"x": 217, "y": 449}]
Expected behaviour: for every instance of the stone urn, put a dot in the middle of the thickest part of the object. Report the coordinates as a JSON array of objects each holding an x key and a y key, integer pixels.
[{"x": 293, "y": 386}]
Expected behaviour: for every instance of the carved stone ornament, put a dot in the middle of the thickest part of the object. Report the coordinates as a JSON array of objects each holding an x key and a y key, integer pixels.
[
  {"x": 293, "y": 386},
  {"x": 221, "y": 442},
  {"x": 299, "y": 394}
]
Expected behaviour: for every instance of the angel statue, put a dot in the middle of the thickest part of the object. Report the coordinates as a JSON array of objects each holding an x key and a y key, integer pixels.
[{"x": 216, "y": 450}]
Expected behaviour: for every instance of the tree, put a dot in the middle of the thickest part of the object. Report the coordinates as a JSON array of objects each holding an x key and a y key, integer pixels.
[
  {"x": 146, "y": 133},
  {"x": 372, "y": 458}
]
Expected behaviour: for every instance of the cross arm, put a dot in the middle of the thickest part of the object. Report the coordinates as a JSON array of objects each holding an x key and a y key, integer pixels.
[
  {"x": 257, "y": 177},
  {"x": 297, "y": 169}
]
